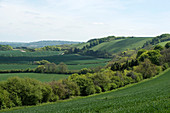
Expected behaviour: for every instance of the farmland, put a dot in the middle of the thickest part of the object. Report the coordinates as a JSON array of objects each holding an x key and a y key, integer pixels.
[
  {"x": 10, "y": 60},
  {"x": 37, "y": 76},
  {"x": 28, "y": 58},
  {"x": 116, "y": 46},
  {"x": 148, "y": 96},
  {"x": 16, "y": 66}
]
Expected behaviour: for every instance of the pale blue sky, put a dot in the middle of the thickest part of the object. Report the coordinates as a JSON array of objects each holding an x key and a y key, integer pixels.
[{"x": 81, "y": 20}]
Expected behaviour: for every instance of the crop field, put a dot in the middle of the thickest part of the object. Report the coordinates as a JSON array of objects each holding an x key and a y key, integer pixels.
[
  {"x": 37, "y": 76},
  {"x": 16, "y": 66},
  {"x": 18, "y": 53},
  {"x": 122, "y": 44},
  {"x": 68, "y": 59},
  {"x": 148, "y": 96}
]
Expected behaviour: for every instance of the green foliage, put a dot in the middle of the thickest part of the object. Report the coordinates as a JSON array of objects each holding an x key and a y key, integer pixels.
[
  {"x": 26, "y": 91},
  {"x": 5, "y": 100},
  {"x": 167, "y": 45},
  {"x": 42, "y": 62},
  {"x": 158, "y": 39},
  {"x": 140, "y": 52},
  {"x": 84, "y": 71},
  {"x": 5, "y": 47},
  {"x": 153, "y": 55},
  {"x": 149, "y": 96},
  {"x": 49, "y": 48},
  {"x": 147, "y": 69},
  {"x": 62, "y": 67},
  {"x": 158, "y": 47}
]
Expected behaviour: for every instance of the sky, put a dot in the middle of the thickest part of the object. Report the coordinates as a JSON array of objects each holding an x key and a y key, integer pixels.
[{"x": 81, "y": 20}]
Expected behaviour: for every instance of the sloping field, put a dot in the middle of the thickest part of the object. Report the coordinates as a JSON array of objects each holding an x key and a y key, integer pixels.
[
  {"x": 163, "y": 43},
  {"x": 146, "y": 97},
  {"x": 116, "y": 46}
]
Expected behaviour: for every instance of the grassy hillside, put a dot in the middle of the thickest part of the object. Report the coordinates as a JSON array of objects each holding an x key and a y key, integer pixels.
[
  {"x": 163, "y": 43},
  {"x": 37, "y": 76},
  {"x": 115, "y": 46},
  {"x": 148, "y": 96}
]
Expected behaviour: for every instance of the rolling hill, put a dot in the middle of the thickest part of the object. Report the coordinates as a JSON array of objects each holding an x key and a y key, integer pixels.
[
  {"x": 37, "y": 44},
  {"x": 148, "y": 96},
  {"x": 116, "y": 46}
]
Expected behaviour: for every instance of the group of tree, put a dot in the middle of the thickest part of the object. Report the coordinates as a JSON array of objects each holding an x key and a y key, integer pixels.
[
  {"x": 48, "y": 48},
  {"x": 19, "y": 91},
  {"x": 158, "y": 39},
  {"x": 5, "y": 47},
  {"x": 88, "y": 52},
  {"x": 52, "y": 68}
]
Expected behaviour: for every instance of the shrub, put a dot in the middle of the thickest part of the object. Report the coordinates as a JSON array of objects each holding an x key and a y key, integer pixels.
[
  {"x": 29, "y": 91},
  {"x": 5, "y": 101},
  {"x": 167, "y": 45},
  {"x": 158, "y": 47},
  {"x": 72, "y": 88},
  {"x": 98, "y": 89},
  {"x": 147, "y": 69}
]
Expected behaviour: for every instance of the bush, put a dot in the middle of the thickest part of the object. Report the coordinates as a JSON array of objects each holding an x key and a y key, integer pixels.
[
  {"x": 5, "y": 101},
  {"x": 167, "y": 45},
  {"x": 98, "y": 89},
  {"x": 158, "y": 47},
  {"x": 28, "y": 91},
  {"x": 147, "y": 69},
  {"x": 113, "y": 86},
  {"x": 72, "y": 88}
]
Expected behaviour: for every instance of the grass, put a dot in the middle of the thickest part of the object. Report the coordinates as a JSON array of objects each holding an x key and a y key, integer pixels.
[
  {"x": 16, "y": 66},
  {"x": 18, "y": 53},
  {"x": 148, "y": 96},
  {"x": 163, "y": 43},
  {"x": 116, "y": 46},
  {"x": 68, "y": 59},
  {"x": 37, "y": 76}
]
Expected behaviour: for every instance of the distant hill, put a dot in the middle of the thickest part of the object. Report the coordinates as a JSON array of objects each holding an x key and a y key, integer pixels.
[
  {"x": 116, "y": 44},
  {"x": 37, "y": 44}
]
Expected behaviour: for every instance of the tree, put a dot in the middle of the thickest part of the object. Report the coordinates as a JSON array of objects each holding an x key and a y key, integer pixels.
[
  {"x": 167, "y": 45},
  {"x": 147, "y": 69},
  {"x": 158, "y": 47},
  {"x": 62, "y": 67},
  {"x": 141, "y": 52}
]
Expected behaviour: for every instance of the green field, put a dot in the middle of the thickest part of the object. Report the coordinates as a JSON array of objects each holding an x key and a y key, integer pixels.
[
  {"x": 75, "y": 59},
  {"x": 163, "y": 43},
  {"x": 146, "y": 97},
  {"x": 115, "y": 46},
  {"x": 18, "y": 53},
  {"x": 37, "y": 76},
  {"x": 16, "y": 66}
]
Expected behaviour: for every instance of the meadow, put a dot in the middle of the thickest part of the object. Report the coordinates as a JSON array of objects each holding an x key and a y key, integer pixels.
[
  {"x": 17, "y": 58},
  {"x": 120, "y": 45},
  {"x": 38, "y": 76},
  {"x": 151, "y": 95},
  {"x": 16, "y": 66}
]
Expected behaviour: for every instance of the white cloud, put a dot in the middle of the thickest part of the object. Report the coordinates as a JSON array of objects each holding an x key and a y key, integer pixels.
[{"x": 76, "y": 19}]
